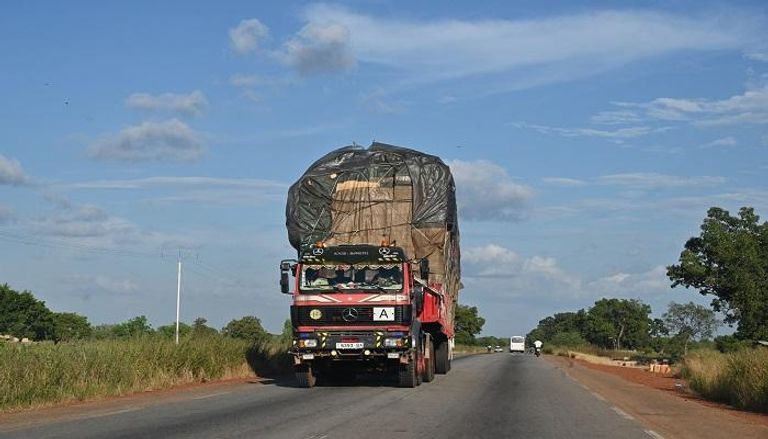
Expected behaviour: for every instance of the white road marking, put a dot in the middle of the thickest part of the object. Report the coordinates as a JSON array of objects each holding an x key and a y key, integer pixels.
[
  {"x": 583, "y": 386},
  {"x": 598, "y": 396},
  {"x": 211, "y": 395},
  {"x": 318, "y": 436},
  {"x": 622, "y": 413},
  {"x": 654, "y": 435}
]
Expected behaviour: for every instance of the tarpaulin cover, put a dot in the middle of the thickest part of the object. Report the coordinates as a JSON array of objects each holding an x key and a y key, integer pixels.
[{"x": 357, "y": 195}]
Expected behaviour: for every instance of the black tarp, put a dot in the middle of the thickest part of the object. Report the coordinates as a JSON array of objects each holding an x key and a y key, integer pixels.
[{"x": 310, "y": 208}]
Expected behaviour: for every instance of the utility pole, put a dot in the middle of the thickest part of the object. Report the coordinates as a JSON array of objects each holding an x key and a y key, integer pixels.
[{"x": 178, "y": 297}]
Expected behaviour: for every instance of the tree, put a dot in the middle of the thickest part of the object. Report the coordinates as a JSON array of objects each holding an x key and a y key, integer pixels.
[
  {"x": 729, "y": 260},
  {"x": 618, "y": 323},
  {"x": 21, "y": 315},
  {"x": 562, "y": 322},
  {"x": 169, "y": 330},
  {"x": 134, "y": 327},
  {"x": 69, "y": 326},
  {"x": 691, "y": 322},
  {"x": 199, "y": 328},
  {"x": 246, "y": 328},
  {"x": 287, "y": 335},
  {"x": 467, "y": 323}
]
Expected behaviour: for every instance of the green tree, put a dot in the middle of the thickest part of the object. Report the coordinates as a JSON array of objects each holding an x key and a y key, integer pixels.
[
  {"x": 287, "y": 334},
  {"x": 560, "y": 323},
  {"x": 134, "y": 327},
  {"x": 199, "y": 328},
  {"x": 169, "y": 330},
  {"x": 69, "y": 326},
  {"x": 729, "y": 260},
  {"x": 568, "y": 339},
  {"x": 618, "y": 323},
  {"x": 21, "y": 315},
  {"x": 246, "y": 328},
  {"x": 690, "y": 321},
  {"x": 467, "y": 323}
]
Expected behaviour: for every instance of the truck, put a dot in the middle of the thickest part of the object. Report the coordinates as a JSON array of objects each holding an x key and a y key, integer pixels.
[{"x": 376, "y": 278}]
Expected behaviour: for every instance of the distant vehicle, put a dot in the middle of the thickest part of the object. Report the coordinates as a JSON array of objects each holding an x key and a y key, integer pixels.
[
  {"x": 517, "y": 344},
  {"x": 498, "y": 349}
]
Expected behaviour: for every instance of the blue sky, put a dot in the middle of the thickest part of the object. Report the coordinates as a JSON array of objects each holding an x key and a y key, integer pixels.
[{"x": 587, "y": 142}]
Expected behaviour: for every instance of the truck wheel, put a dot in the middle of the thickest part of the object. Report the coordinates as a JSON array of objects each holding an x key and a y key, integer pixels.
[
  {"x": 429, "y": 363},
  {"x": 305, "y": 378},
  {"x": 407, "y": 375},
  {"x": 442, "y": 362}
]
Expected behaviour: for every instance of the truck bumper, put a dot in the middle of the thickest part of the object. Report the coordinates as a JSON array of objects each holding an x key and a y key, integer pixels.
[{"x": 351, "y": 346}]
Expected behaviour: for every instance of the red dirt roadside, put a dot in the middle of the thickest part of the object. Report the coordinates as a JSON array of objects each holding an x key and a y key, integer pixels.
[{"x": 662, "y": 406}]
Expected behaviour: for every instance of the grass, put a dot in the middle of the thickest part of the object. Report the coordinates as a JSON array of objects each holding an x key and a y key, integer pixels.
[
  {"x": 43, "y": 374},
  {"x": 738, "y": 378}
]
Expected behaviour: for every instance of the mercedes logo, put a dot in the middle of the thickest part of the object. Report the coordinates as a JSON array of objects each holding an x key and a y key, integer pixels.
[
  {"x": 317, "y": 251},
  {"x": 383, "y": 251},
  {"x": 349, "y": 315}
]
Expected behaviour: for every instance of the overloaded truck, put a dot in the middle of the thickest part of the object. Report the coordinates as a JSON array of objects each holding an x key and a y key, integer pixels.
[{"x": 377, "y": 274}]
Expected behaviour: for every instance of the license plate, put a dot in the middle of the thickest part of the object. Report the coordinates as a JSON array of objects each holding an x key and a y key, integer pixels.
[
  {"x": 349, "y": 345},
  {"x": 308, "y": 356},
  {"x": 393, "y": 355}
]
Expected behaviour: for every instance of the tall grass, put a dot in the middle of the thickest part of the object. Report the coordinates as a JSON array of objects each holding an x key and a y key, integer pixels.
[
  {"x": 738, "y": 378},
  {"x": 40, "y": 374}
]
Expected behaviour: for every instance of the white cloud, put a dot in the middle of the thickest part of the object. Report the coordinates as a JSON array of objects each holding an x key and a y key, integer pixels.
[
  {"x": 722, "y": 142},
  {"x": 501, "y": 267},
  {"x": 192, "y": 104},
  {"x": 84, "y": 221},
  {"x": 617, "y": 117},
  {"x": 11, "y": 172},
  {"x": 485, "y": 192},
  {"x": 647, "y": 283},
  {"x": 750, "y": 107},
  {"x": 649, "y": 180},
  {"x": 151, "y": 141},
  {"x": 563, "y": 181},
  {"x": 757, "y": 56},
  {"x": 247, "y": 36},
  {"x": 319, "y": 48},
  {"x": 619, "y": 135},
  {"x": 592, "y": 42}
]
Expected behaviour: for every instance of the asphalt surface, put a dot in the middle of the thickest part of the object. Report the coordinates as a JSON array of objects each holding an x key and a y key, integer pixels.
[{"x": 484, "y": 396}]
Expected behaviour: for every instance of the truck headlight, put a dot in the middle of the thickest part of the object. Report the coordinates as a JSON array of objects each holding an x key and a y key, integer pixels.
[
  {"x": 393, "y": 342},
  {"x": 308, "y": 343}
]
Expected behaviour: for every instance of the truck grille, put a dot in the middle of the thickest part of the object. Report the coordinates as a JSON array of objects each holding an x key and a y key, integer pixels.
[{"x": 334, "y": 315}]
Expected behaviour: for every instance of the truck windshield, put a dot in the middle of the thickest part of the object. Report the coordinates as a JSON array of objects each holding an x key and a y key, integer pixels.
[{"x": 329, "y": 278}]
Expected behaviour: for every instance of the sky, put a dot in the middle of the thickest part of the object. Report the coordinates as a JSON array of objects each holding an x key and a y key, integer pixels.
[{"x": 587, "y": 141}]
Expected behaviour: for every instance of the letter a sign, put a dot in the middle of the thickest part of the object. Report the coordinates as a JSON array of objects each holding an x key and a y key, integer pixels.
[{"x": 384, "y": 314}]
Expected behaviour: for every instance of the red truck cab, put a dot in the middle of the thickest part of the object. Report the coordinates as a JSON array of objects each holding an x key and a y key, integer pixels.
[{"x": 364, "y": 308}]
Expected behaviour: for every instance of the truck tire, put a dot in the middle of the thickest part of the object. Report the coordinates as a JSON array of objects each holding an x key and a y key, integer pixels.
[
  {"x": 429, "y": 363},
  {"x": 442, "y": 362},
  {"x": 305, "y": 378},
  {"x": 407, "y": 375}
]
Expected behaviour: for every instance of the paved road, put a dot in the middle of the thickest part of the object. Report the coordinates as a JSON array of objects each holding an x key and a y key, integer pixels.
[{"x": 484, "y": 396}]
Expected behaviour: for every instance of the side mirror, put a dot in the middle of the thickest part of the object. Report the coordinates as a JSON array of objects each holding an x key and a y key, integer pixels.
[
  {"x": 424, "y": 269},
  {"x": 287, "y": 268}
]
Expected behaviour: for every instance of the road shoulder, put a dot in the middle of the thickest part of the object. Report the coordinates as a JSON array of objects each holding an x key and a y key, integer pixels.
[{"x": 661, "y": 412}]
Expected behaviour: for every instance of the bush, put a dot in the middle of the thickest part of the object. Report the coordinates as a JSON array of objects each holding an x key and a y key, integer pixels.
[
  {"x": 738, "y": 378},
  {"x": 568, "y": 339},
  {"x": 92, "y": 369}
]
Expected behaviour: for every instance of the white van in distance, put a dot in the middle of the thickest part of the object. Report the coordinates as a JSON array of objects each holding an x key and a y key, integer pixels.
[{"x": 517, "y": 344}]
